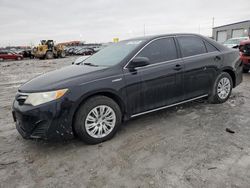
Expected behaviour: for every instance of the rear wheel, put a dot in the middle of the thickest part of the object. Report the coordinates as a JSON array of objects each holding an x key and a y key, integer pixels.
[
  {"x": 222, "y": 88},
  {"x": 49, "y": 55},
  {"x": 97, "y": 120},
  {"x": 245, "y": 70},
  {"x": 62, "y": 54}
]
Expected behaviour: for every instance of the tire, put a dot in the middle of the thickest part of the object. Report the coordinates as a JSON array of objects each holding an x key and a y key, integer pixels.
[
  {"x": 49, "y": 55},
  {"x": 245, "y": 70},
  {"x": 222, "y": 96},
  {"x": 62, "y": 54},
  {"x": 84, "y": 117}
]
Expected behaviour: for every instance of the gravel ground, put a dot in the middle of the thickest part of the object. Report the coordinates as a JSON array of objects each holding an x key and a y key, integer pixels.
[{"x": 184, "y": 146}]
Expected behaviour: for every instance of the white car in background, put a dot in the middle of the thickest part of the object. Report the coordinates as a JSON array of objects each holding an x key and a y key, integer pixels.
[{"x": 234, "y": 42}]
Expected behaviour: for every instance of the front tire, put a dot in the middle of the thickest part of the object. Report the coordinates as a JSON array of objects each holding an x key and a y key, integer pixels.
[
  {"x": 222, "y": 88},
  {"x": 97, "y": 120}
]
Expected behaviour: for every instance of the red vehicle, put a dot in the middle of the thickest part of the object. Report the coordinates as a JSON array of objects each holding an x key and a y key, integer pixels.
[
  {"x": 10, "y": 55},
  {"x": 245, "y": 55}
]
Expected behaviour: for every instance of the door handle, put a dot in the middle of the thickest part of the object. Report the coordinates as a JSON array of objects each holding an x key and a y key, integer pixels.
[
  {"x": 177, "y": 67},
  {"x": 217, "y": 58}
]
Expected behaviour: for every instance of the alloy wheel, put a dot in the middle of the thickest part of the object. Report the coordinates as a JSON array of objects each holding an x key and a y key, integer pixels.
[
  {"x": 223, "y": 88},
  {"x": 100, "y": 121}
]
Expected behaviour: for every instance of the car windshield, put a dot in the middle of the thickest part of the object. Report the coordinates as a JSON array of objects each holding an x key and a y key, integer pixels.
[{"x": 112, "y": 54}]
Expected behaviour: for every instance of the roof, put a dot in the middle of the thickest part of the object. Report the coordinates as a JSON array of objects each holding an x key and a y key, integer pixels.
[
  {"x": 150, "y": 37},
  {"x": 232, "y": 24}
]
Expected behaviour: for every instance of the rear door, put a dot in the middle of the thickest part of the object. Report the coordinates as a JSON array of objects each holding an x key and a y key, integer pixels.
[
  {"x": 200, "y": 60},
  {"x": 10, "y": 55}
]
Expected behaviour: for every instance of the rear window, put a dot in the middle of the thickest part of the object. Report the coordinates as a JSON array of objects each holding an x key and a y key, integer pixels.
[
  {"x": 210, "y": 47},
  {"x": 191, "y": 45}
]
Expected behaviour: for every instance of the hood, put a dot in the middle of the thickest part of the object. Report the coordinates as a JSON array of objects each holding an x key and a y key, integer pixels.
[{"x": 61, "y": 78}]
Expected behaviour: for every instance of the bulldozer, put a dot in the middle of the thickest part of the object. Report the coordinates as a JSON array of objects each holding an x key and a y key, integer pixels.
[{"x": 48, "y": 50}]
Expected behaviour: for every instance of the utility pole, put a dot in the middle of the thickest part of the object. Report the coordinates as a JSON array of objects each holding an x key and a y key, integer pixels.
[
  {"x": 212, "y": 26},
  {"x": 144, "y": 29}
]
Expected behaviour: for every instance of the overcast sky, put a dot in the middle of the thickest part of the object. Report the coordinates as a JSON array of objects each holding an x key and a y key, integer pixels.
[{"x": 27, "y": 21}]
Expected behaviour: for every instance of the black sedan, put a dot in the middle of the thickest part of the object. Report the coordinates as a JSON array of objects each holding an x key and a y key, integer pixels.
[{"x": 125, "y": 80}]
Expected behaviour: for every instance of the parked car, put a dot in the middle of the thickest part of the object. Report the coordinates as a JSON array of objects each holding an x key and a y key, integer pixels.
[
  {"x": 234, "y": 42},
  {"x": 124, "y": 80},
  {"x": 245, "y": 55},
  {"x": 4, "y": 55},
  {"x": 85, "y": 51},
  {"x": 26, "y": 54}
]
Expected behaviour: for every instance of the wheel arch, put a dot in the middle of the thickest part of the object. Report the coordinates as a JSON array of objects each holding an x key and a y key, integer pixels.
[
  {"x": 108, "y": 93},
  {"x": 231, "y": 73}
]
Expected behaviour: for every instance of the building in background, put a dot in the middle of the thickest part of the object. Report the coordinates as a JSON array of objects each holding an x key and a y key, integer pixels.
[{"x": 224, "y": 32}]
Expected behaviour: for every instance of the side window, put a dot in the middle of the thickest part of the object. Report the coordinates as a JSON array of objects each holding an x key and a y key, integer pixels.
[
  {"x": 210, "y": 47},
  {"x": 160, "y": 50},
  {"x": 191, "y": 45}
]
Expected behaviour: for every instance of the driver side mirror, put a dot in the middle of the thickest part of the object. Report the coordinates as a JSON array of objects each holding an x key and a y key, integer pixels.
[{"x": 138, "y": 62}]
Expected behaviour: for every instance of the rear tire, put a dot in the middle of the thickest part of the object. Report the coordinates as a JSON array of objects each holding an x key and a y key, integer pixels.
[
  {"x": 49, "y": 55},
  {"x": 222, "y": 88},
  {"x": 97, "y": 120},
  {"x": 62, "y": 54},
  {"x": 245, "y": 70}
]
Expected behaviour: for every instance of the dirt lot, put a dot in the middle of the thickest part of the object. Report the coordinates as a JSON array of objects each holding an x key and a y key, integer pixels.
[{"x": 185, "y": 146}]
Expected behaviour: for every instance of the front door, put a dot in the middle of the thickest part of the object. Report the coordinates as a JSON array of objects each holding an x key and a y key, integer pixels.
[{"x": 159, "y": 83}]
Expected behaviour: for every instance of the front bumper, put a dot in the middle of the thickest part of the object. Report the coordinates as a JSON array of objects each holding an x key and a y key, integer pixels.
[{"x": 50, "y": 121}]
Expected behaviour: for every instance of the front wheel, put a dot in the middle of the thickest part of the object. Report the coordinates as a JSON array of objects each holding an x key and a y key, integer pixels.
[
  {"x": 97, "y": 120},
  {"x": 222, "y": 88}
]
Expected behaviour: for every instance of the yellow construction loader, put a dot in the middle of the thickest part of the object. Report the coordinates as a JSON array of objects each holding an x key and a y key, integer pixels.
[{"x": 48, "y": 50}]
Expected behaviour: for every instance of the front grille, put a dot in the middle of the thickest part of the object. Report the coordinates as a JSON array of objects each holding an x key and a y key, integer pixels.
[{"x": 246, "y": 50}]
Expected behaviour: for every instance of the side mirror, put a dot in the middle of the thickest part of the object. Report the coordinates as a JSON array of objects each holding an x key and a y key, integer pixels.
[{"x": 138, "y": 62}]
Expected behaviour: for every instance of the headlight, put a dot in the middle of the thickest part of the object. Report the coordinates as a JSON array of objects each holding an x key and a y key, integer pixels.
[{"x": 39, "y": 98}]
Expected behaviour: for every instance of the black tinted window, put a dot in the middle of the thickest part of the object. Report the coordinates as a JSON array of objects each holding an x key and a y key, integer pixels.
[
  {"x": 210, "y": 47},
  {"x": 191, "y": 45},
  {"x": 160, "y": 50}
]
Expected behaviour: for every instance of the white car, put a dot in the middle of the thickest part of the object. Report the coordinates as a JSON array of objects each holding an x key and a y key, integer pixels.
[{"x": 234, "y": 42}]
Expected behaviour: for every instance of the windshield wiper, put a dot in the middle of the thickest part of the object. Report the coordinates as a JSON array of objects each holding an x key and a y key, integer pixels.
[{"x": 90, "y": 64}]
